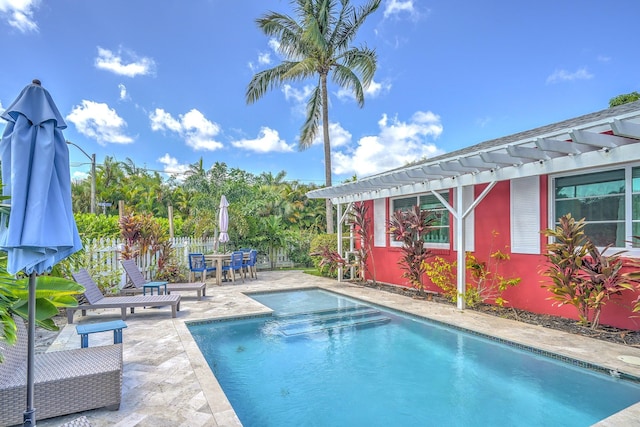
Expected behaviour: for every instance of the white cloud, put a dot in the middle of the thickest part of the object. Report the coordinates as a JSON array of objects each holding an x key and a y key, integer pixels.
[
  {"x": 397, "y": 7},
  {"x": 264, "y": 58},
  {"x": 19, "y": 14},
  {"x": 296, "y": 95},
  {"x": 79, "y": 176},
  {"x": 338, "y": 136},
  {"x": 397, "y": 144},
  {"x": 193, "y": 127},
  {"x": 373, "y": 91},
  {"x": 483, "y": 121},
  {"x": 274, "y": 44},
  {"x": 123, "y": 92},
  {"x": 564, "y": 75},
  {"x": 172, "y": 167},
  {"x": 268, "y": 141},
  {"x": 133, "y": 66},
  {"x": 98, "y": 121},
  {"x": 603, "y": 58},
  {"x": 299, "y": 97}
]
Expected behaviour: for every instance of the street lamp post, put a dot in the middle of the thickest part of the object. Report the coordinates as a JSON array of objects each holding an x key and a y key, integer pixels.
[{"x": 91, "y": 157}]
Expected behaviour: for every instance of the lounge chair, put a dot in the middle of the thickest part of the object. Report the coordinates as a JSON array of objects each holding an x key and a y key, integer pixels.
[
  {"x": 96, "y": 300},
  {"x": 65, "y": 382},
  {"x": 138, "y": 281}
]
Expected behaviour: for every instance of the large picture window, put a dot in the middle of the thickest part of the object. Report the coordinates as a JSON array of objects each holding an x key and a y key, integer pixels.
[
  {"x": 609, "y": 201},
  {"x": 440, "y": 226}
]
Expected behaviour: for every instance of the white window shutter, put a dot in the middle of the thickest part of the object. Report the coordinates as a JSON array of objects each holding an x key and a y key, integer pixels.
[
  {"x": 379, "y": 223},
  {"x": 525, "y": 215}
]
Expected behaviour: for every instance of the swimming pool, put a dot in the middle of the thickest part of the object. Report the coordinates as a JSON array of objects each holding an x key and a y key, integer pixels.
[{"x": 350, "y": 363}]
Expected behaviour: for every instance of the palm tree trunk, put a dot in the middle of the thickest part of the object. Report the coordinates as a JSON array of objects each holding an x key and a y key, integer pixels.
[{"x": 327, "y": 148}]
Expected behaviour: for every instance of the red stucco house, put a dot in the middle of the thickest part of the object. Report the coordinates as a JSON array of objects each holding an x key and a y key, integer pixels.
[{"x": 505, "y": 191}]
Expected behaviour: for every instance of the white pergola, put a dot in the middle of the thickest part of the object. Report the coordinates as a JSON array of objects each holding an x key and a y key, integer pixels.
[{"x": 605, "y": 138}]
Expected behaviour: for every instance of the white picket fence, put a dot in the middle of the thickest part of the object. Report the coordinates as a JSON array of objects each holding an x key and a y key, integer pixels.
[{"x": 106, "y": 253}]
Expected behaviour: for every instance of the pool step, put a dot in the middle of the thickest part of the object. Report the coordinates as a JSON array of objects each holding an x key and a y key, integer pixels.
[
  {"x": 331, "y": 320},
  {"x": 312, "y": 315}
]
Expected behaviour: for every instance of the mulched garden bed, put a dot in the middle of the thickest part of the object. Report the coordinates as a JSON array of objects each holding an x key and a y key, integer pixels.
[{"x": 605, "y": 333}]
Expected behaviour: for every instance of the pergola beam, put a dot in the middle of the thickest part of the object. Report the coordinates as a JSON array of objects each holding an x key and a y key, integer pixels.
[{"x": 601, "y": 140}]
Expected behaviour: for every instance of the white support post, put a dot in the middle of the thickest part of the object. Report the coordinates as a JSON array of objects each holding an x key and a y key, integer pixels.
[
  {"x": 461, "y": 216},
  {"x": 339, "y": 229},
  {"x": 460, "y": 240}
]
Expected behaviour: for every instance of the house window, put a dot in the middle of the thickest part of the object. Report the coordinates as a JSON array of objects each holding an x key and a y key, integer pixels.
[
  {"x": 609, "y": 202},
  {"x": 635, "y": 204},
  {"x": 440, "y": 227}
]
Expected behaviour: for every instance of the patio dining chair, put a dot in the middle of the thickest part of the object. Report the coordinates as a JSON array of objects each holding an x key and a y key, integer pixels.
[
  {"x": 249, "y": 264},
  {"x": 198, "y": 264},
  {"x": 235, "y": 265}
]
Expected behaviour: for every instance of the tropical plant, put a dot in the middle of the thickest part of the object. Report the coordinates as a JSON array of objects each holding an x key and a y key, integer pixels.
[
  {"x": 604, "y": 277},
  {"x": 362, "y": 220},
  {"x": 273, "y": 236},
  {"x": 565, "y": 256},
  {"x": 321, "y": 245},
  {"x": 410, "y": 228},
  {"x": 582, "y": 275},
  {"x": 92, "y": 226},
  {"x": 330, "y": 261},
  {"x": 442, "y": 273},
  {"x": 317, "y": 44},
  {"x": 52, "y": 293},
  {"x": 485, "y": 282}
]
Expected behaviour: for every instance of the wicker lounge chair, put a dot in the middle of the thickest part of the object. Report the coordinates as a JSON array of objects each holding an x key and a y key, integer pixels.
[
  {"x": 65, "y": 382},
  {"x": 96, "y": 300},
  {"x": 138, "y": 281}
]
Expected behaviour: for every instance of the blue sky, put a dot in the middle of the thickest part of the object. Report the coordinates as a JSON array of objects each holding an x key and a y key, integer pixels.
[{"x": 163, "y": 82}]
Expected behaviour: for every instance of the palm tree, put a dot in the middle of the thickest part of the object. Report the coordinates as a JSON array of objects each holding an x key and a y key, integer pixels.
[{"x": 316, "y": 44}]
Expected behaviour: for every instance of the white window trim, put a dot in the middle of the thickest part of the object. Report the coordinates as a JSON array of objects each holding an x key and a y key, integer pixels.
[
  {"x": 628, "y": 252},
  {"x": 395, "y": 244}
]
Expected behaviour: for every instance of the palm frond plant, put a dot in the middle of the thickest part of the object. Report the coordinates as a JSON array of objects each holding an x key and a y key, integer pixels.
[
  {"x": 317, "y": 43},
  {"x": 52, "y": 293}
]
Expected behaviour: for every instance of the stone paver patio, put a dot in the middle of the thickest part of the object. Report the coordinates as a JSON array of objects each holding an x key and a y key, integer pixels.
[{"x": 168, "y": 383}]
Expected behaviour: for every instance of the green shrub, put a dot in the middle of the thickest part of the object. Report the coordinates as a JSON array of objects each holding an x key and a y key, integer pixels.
[{"x": 319, "y": 245}]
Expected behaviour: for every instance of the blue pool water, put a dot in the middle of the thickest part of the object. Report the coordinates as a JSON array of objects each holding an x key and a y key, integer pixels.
[{"x": 326, "y": 360}]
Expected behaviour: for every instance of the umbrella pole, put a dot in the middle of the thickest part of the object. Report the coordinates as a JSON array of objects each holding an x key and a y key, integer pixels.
[{"x": 30, "y": 413}]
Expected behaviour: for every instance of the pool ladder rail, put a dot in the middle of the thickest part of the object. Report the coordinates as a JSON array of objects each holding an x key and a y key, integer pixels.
[{"x": 323, "y": 321}]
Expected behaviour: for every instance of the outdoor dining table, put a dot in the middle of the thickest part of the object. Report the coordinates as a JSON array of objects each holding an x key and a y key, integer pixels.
[{"x": 220, "y": 260}]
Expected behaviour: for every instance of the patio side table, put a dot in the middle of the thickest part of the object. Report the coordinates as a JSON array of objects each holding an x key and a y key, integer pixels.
[
  {"x": 154, "y": 285},
  {"x": 116, "y": 326}
]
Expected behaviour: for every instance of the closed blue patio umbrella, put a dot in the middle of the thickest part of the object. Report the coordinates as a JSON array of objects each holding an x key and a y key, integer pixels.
[{"x": 40, "y": 230}]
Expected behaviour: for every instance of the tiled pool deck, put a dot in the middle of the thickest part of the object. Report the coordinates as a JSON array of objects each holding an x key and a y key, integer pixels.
[{"x": 167, "y": 382}]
